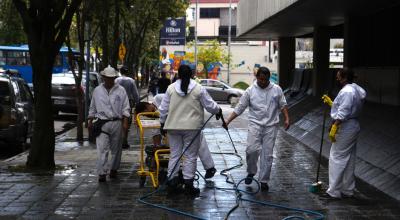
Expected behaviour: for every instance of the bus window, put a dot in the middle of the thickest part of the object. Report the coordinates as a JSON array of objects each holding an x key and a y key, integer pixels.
[
  {"x": 58, "y": 61},
  {"x": 16, "y": 58},
  {"x": 28, "y": 58},
  {"x": 2, "y": 58}
]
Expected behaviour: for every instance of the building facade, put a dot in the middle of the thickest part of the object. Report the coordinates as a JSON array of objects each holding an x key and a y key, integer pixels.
[{"x": 213, "y": 23}]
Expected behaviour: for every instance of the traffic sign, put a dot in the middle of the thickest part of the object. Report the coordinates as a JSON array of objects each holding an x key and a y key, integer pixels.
[{"x": 122, "y": 51}]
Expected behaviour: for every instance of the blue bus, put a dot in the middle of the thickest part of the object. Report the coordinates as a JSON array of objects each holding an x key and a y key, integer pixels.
[{"x": 17, "y": 57}]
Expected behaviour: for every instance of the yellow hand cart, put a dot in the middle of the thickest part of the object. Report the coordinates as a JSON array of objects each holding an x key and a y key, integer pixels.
[{"x": 149, "y": 120}]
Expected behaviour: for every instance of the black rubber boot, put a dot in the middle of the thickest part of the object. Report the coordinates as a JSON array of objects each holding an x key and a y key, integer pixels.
[
  {"x": 210, "y": 173},
  {"x": 190, "y": 190},
  {"x": 180, "y": 176},
  {"x": 173, "y": 186},
  {"x": 249, "y": 179},
  {"x": 264, "y": 187}
]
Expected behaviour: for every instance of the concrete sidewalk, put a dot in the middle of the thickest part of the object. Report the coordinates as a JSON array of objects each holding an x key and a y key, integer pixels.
[{"x": 73, "y": 192}]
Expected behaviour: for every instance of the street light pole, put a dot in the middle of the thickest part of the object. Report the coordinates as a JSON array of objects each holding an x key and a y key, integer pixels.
[
  {"x": 195, "y": 38},
  {"x": 87, "y": 73},
  {"x": 229, "y": 40}
]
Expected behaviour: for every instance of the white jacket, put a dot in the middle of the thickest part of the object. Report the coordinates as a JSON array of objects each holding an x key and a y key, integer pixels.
[
  {"x": 348, "y": 103},
  {"x": 205, "y": 99},
  {"x": 264, "y": 104}
]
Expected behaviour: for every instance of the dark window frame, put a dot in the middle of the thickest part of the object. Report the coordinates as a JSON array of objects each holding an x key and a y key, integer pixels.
[{"x": 210, "y": 13}]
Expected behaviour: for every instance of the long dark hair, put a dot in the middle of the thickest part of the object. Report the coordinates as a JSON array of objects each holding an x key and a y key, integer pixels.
[{"x": 184, "y": 73}]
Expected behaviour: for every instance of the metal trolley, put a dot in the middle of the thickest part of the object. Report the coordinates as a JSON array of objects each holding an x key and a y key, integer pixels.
[{"x": 160, "y": 157}]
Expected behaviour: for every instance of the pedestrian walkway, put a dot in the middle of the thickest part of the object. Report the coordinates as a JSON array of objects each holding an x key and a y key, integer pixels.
[{"x": 73, "y": 191}]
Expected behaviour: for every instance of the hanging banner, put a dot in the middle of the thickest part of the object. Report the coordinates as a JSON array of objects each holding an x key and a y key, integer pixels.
[{"x": 173, "y": 32}]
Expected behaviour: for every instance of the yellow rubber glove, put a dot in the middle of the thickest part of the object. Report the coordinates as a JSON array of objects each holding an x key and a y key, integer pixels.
[
  {"x": 332, "y": 133},
  {"x": 327, "y": 100}
]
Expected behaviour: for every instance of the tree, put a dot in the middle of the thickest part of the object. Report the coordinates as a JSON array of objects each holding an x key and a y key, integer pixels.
[
  {"x": 46, "y": 24},
  {"x": 142, "y": 21},
  {"x": 11, "y": 30},
  {"x": 210, "y": 52},
  {"x": 82, "y": 16}
]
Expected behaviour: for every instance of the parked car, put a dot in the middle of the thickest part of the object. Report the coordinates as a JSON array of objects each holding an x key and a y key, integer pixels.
[
  {"x": 16, "y": 109},
  {"x": 64, "y": 90},
  {"x": 221, "y": 91}
]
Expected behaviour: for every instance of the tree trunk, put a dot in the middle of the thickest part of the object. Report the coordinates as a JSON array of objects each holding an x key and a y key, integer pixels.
[
  {"x": 116, "y": 38},
  {"x": 104, "y": 35},
  {"x": 46, "y": 25},
  {"x": 41, "y": 154}
]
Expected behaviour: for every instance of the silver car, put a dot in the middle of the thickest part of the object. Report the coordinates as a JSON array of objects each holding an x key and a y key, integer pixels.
[{"x": 220, "y": 91}]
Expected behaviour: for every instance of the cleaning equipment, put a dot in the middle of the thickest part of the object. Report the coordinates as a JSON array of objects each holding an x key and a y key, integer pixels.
[
  {"x": 157, "y": 157},
  {"x": 317, "y": 185},
  {"x": 229, "y": 179}
]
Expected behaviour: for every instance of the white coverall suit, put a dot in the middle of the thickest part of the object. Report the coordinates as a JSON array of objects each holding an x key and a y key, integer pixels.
[
  {"x": 346, "y": 107},
  {"x": 264, "y": 107},
  {"x": 113, "y": 106},
  {"x": 179, "y": 139},
  {"x": 204, "y": 152}
]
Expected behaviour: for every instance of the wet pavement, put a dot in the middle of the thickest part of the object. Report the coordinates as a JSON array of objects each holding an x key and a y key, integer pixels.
[{"x": 72, "y": 191}]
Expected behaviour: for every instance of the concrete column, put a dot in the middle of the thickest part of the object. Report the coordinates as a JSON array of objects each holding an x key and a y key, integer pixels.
[
  {"x": 321, "y": 76},
  {"x": 349, "y": 42},
  {"x": 286, "y": 60}
]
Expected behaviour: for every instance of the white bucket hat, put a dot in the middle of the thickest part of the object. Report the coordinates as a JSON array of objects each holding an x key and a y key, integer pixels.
[{"x": 109, "y": 72}]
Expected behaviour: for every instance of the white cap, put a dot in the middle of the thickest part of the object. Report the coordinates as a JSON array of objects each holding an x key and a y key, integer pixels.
[{"x": 109, "y": 72}]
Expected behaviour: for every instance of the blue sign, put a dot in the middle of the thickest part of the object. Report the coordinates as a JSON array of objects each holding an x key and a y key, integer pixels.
[
  {"x": 172, "y": 42},
  {"x": 173, "y": 32}
]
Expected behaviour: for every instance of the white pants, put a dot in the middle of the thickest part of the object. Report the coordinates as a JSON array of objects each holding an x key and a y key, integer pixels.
[
  {"x": 260, "y": 143},
  {"x": 342, "y": 161},
  {"x": 178, "y": 140},
  {"x": 106, "y": 143},
  {"x": 204, "y": 153}
]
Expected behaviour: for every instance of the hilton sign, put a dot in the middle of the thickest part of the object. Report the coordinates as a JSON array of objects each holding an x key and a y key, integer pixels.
[{"x": 173, "y": 32}]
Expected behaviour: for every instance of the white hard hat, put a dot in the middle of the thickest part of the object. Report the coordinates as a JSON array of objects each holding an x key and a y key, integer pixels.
[{"x": 109, "y": 72}]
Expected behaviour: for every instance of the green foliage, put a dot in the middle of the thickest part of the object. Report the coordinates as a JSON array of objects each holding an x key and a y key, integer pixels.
[
  {"x": 11, "y": 30},
  {"x": 138, "y": 28},
  {"x": 209, "y": 52},
  {"x": 241, "y": 85}
]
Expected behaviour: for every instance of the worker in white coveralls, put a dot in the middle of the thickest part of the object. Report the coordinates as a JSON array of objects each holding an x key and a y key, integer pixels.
[
  {"x": 129, "y": 85},
  {"x": 204, "y": 152},
  {"x": 184, "y": 104},
  {"x": 345, "y": 110},
  {"x": 265, "y": 100},
  {"x": 111, "y": 105}
]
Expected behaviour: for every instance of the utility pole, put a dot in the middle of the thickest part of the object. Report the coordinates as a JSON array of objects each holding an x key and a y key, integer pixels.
[
  {"x": 195, "y": 38},
  {"x": 229, "y": 40}
]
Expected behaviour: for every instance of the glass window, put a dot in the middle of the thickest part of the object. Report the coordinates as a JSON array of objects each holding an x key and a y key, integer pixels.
[
  {"x": 16, "y": 58},
  {"x": 16, "y": 91},
  {"x": 4, "y": 89},
  {"x": 58, "y": 61},
  {"x": 209, "y": 12},
  {"x": 203, "y": 82},
  {"x": 215, "y": 84},
  {"x": 67, "y": 79},
  {"x": 2, "y": 58},
  {"x": 28, "y": 93},
  {"x": 28, "y": 58},
  {"x": 5, "y": 98},
  {"x": 23, "y": 91}
]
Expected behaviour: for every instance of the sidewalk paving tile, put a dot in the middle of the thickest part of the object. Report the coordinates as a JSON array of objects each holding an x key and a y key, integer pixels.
[{"x": 75, "y": 192}]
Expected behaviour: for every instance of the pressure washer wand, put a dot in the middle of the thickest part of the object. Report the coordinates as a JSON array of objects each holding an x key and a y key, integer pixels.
[{"x": 226, "y": 128}]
